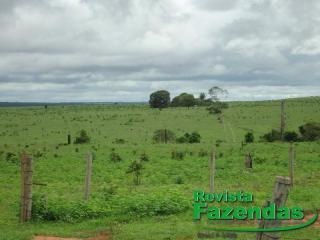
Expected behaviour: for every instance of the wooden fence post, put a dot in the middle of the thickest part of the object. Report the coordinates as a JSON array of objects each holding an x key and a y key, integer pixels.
[
  {"x": 292, "y": 154},
  {"x": 282, "y": 121},
  {"x": 165, "y": 136},
  {"x": 69, "y": 139},
  {"x": 248, "y": 160},
  {"x": 279, "y": 198},
  {"x": 212, "y": 168},
  {"x": 88, "y": 176},
  {"x": 26, "y": 187}
]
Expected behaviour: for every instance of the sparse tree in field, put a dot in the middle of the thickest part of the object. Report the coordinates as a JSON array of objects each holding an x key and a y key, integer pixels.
[
  {"x": 82, "y": 138},
  {"x": 217, "y": 106},
  {"x": 249, "y": 138},
  {"x": 159, "y": 99},
  {"x": 216, "y": 93},
  {"x": 135, "y": 168},
  {"x": 202, "y": 96}
]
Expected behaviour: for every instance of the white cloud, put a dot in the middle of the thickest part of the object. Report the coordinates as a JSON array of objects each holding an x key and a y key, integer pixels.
[{"x": 123, "y": 49}]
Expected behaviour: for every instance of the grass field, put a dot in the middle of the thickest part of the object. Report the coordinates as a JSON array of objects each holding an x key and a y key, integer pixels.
[{"x": 43, "y": 132}]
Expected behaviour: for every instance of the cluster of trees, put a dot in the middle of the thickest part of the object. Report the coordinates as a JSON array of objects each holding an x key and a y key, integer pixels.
[
  {"x": 161, "y": 99},
  {"x": 308, "y": 132},
  {"x": 166, "y": 136}
]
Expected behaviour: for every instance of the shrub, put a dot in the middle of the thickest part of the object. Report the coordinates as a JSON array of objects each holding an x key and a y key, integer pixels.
[
  {"x": 272, "y": 136},
  {"x": 82, "y": 138},
  {"x": 137, "y": 205},
  {"x": 259, "y": 160},
  {"x": 218, "y": 142},
  {"x": 119, "y": 141},
  {"x": 189, "y": 138},
  {"x": 11, "y": 157},
  {"x": 202, "y": 153},
  {"x": 67, "y": 212},
  {"x": 163, "y": 136},
  {"x": 291, "y": 136},
  {"x": 194, "y": 138},
  {"x": 135, "y": 168},
  {"x": 181, "y": 139},
  {"x": 179, "y": 180},
  {"x": 115, "y": 157},
  {"x": 178, "y": 155},
  {"x": 144, "y": 157},
  {"x": 249, "y": 138},
  {"x": 160, "y": 203},
  {"x": 310, "y": 131},
  {"x": 217, "y": 107}
]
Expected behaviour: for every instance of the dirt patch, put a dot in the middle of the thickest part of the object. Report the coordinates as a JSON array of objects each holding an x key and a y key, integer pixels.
[{"x": 100, "y": 236}]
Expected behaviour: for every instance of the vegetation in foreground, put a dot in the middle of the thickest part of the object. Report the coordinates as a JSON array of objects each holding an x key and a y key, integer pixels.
[{"x": 138, "y": 183}]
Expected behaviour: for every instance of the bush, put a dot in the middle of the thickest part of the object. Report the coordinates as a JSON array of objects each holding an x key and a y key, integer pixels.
[
  {"x": 291, "y": 136},
  {"x": 144, "y": 157},
  {"x": 115, "y": 157},
  {"x": 189, "y": 138},
  {"x": 179, "y": 180},
  {"x": 217, "y": 107},
  {"x": 202, "y": 153},
  {"x": 82, "y": 138},
  {"x": 12, "y": 157},
  {"x": 163, "y": 136},
  {"x": 135, "y": 168},
  {"x": 137, "y": 205},
  {"x": 178, "y": 155},
  {"x": 310, "y": 131},
  {"x": 160, "y": 203},
  {"x": 259, "y": 160},
  {"x": 67, "y": 212},
  {"x": 272, "y": 136},
  {"x": 249, "y": 138},
  {"x": 119, "y": 141}
]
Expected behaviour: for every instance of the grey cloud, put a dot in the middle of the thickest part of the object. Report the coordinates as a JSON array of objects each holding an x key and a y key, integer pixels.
[{"x": 122, "y": 50}]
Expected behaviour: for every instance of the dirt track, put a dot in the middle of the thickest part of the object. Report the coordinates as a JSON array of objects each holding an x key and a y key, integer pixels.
[{"x": 100, "y": 236}]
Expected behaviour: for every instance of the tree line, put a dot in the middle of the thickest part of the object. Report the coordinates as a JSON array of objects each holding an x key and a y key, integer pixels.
[{"x": 161, "y": 99}]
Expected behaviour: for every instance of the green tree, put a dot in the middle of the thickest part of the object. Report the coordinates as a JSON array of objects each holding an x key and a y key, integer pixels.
[
  {"x": 82, "y": 138},
  {"x": 310, "y": 131},
  {"x": 159, "y": 99},
  {"x": 183, "y": 100},
  {"x": 217, "y": 106},
  {"x": 202, "y": 96},
  {"x": 216, "y": 93},
  {"x": 135, "y": 168},
  {"x": 249, "y": 138},
  {"x": 291, "y": 136}
]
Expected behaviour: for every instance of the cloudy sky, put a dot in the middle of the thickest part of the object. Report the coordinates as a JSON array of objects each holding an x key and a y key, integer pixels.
[{"x": 118, "y": 50}]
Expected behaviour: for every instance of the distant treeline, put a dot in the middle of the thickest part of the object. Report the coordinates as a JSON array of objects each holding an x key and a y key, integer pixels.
[{"x": 35, "y": 104}]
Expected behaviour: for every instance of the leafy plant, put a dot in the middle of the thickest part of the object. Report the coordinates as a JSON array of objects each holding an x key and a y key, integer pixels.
[
  {"x": 135, "y": 168},
  {"x": 249, "y": 138},
  {"x": 189, "y": 138},
  {"x": 178, "y": 155},
  {"x": 163, "y": 136},
  {"x": 82, "y": 138},
  {"x": 115, "y": 157},
  {"x": 144, "y": 157},
  {"x": 310, "y": 131}
]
